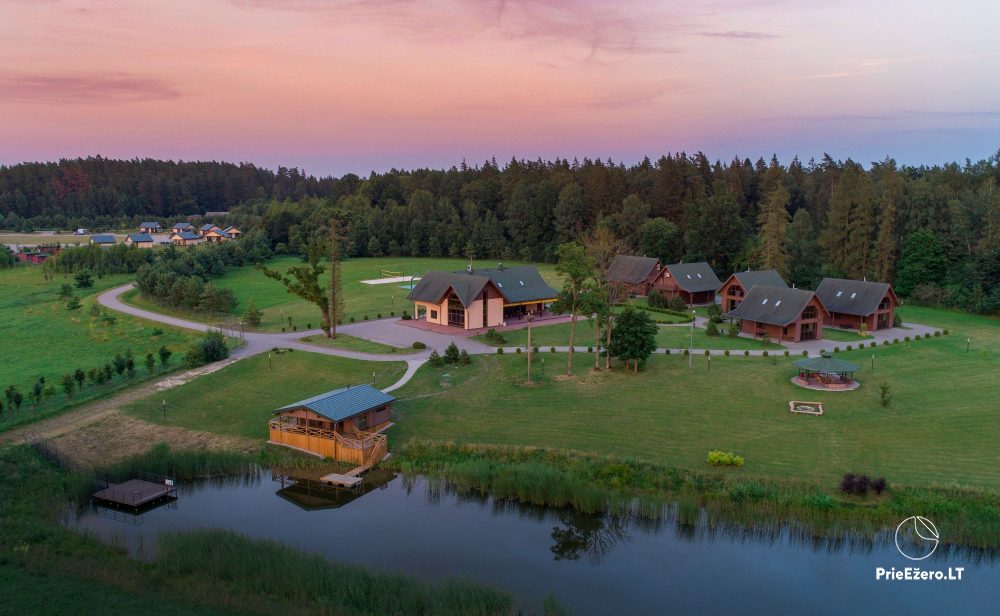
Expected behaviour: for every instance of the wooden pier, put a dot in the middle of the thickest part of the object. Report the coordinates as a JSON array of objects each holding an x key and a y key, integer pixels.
[{"x": 135, "y": 492}]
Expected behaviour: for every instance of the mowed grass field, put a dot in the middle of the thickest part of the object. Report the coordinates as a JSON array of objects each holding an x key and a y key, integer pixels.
[
  {"x": 360, "y": 299},
  {"x": 40, "y": 337},
  {"x": 667, "y": 337},
  {"x": 942, "y": 427},
  {"x": 240, "y": 398}
]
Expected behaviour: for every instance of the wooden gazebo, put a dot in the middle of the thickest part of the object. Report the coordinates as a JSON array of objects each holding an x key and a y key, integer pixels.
[{"x": 826, "y": 373}]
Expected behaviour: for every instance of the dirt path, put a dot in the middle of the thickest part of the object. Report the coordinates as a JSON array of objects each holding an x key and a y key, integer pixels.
[{"x": 73, "y": 421}]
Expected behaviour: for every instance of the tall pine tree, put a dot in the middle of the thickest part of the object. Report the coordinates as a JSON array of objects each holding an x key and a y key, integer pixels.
[{"x": 773, "y": 220}]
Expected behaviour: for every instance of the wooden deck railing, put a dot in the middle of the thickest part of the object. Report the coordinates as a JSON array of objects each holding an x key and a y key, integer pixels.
[{"x": 373, "y": 445}]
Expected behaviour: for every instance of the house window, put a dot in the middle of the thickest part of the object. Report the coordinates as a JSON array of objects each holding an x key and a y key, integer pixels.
[
  {"x": 810, "y": 312},
  {"x": 361, "y": 421},
  {"x": 434, "y": 314},
  {"x": 884, "y": 304},
  {"x": 456, "y": 313},
  {"x": 486, "y": 307}
]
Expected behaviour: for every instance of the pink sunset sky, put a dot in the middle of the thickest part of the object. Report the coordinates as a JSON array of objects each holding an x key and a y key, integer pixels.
[{"x": 351, "y": 86}]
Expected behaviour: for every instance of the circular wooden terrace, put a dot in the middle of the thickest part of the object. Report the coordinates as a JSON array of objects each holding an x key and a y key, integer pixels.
[{"x": 825, "y": 373}]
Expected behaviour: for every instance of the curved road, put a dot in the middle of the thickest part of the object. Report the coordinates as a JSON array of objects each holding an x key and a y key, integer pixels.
[{"x": 256, "y": 343}]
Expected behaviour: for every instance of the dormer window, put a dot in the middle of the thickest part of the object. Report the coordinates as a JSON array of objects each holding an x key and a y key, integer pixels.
[
  {"x": 777, "y": 303},
  {"x": 853, "y": 295},
  {"x": 521, "y": 282},
  {"x": 500, "y": 284},
  {"x": 763, "y": 302},
  {"x": 839, "y": 293},
  {"x": 688, "y": 276}
]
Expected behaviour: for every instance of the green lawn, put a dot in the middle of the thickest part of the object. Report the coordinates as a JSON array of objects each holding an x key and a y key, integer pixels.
[
  {"x": 239, "y": 398},
  {"x": 350, "y": 343},
  {"x": 361, "y": 299},
  {"x": 940, "y": 429},
  {"x": 840, "y": 335},
  {"x": 42, "y": 338},
  {"x": 679, "y": 337}
]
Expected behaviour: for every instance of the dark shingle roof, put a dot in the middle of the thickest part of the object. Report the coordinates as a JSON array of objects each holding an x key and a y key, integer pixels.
[
  {"x": 104, "y": 238},
  {"x": 857, "y": 297},
  {"x": 521, "y": 283},
  {"x": 207, "y": 227},
  {"x": 140, "y": 237},
  {"x": 188, "y": 235},
  {"x": 435, "y": 284},
  {"x": 182, "y": 226},
  {"x": 150, "y": 224},
  {"x": 631, "y": 269},
  {"x": 769, "y": 277},
  {"x": 773, "y": 305},
  {"x": 516, "y": 284},
  {"x": 694, "y": 277},
  {"x": 344, "y": 402}
]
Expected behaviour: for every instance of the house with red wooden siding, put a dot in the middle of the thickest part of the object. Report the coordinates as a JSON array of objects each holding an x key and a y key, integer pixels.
[
  {"x": 853, "y": 302},
  {"x": 735, "y": 288},
  {"x": 780, "y": 313}
]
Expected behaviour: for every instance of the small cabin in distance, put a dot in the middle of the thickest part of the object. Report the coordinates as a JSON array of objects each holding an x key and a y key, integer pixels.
[
  {"x": 150, "y": 226},
  {"x": 639, "y": 275},
  {"x": 695, "y": 283},
  {"x": 142, "y": 240},
  {"x": 345, "y": 424},
  {"x": 739, "y": 284}
]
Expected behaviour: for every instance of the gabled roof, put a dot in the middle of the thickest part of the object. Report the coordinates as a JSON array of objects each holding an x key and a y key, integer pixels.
[
  {"x": 183, "y": 226},
  {"x": 103, "y": 238},
  {"x": 631, "y": 269},
  {"x": 231, "y": 228},
  {"x": 208, "y": 227},
  {"x": 343, "y": 403},
  {"x": 140, "y": 237},
  {"x": 857, "y": 297},
  {"x": 773, "y": 305},
  {"x": 694, "y": 277},
  {"x": 150, "y": 225},
  {"x": 826, "y": 364},
  {"x": 187, "y": 235},
  {"x": 769, "y": 277},
  {"x": 516, "y": 284},
  {"x": 434, "y": 285},
  {"x": 218, "y": 231}
]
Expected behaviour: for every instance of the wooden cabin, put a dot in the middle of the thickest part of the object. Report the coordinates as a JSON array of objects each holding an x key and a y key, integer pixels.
[
  {"x": 736, "y": 286},
  {"x": 853, "y": 302},
  {"x": 233, "y": 232},
  {"x": 102, "y": 239},
  {"x": 216, "y": 235},
  {"x": 695, "y": 283},
  {"x": 182, "y": 227},
  {"x": 780, "y": 313},
  {"x": 474, "y": 299},
  {"x": 639, "y": 275},
  {"x": 205, "y": 228},
  {"x": 150, "y": 227},
  {"x": 185, "y": 238},
  {"x": 345, "y": 424},
  {"x": 142, "y": 240}
]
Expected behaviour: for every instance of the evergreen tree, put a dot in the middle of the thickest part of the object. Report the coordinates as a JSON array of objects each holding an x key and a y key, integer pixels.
[
  {"x": 803, "y": 252},
  {"x": 773, "y": 222},
  {"x": 922, "y": 262},
  {"x": 885, "y": 244},
  {"x": 569, "y": 223},
  {"x": 634, "y": 337},
  {"x": 860, "y": 229}
]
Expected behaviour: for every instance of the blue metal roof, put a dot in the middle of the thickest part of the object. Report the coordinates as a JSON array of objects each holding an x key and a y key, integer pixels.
[
  {"x": 105, "y": 238},
  {"x": 150, "y": 224},
  {"x": 344, "y": 402},
  {"x": 188, "y": 235},
  {"x": 140, "y": 237}
]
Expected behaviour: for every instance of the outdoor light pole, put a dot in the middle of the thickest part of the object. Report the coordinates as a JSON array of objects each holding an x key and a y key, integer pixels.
[
  {"x": 529, "y": 318},
  {"x": 968, "y": 341},
  {"x": 710, "y": 363},
  {"x": 691, "y": 343},
  {"x": 873, "y": 362},
  {"x": 164, "y": 409}
]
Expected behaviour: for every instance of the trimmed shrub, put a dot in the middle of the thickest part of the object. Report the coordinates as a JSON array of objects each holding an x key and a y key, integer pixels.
[
  {"x": 885, "y": 342},
  {"x": 435, "y": 360},
  {"x": 895, "y": 340},
  {"x": 687, "y": 352},
  {"x": 352, "y": 319},
  {"x": 406, "y": 317},
  {"x": 707, "y": 352},
  {"x": 518, "y": 350},
  {"x": 927, "y": 335},
  {"x": 718, "y": 457},
  {"x": 849, "y": 347},
  {"x": 906, "y": 338},
  {"x": 590, "y": 349},
  {"x": 879, "y": 485},
  {"x": 945, "y": 332},
  {"x": 726, "y": 352},
  {"x": 805, "y": 353},
  {"x": 366, "y": 317},
  {"x": 746, "y": 353},
  {"x": 392, "y": 313},
  {"x": 786, "y": 353},
  {"x": 836, "y": 349},
  {"x": 419, "y": 345},
  {"x": 937, "y": 333},
  {"x": 666, "y": 351},
  {"x": 378, "y": 315},
  {"x": 764, "y": 354},
  {"x": 499, "y": 350},
  {"x": 551, "y": 349}
]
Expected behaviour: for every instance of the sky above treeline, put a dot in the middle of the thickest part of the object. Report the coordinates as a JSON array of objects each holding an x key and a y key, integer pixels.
[{"x": 352, "y": 86}]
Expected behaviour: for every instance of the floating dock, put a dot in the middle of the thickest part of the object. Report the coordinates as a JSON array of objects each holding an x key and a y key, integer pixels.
[{"x": 135, "y": 492}]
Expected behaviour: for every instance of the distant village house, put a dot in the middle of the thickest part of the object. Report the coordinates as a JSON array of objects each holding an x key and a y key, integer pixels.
[
  {"x": 142, "y": 240},
  {"x": 103, "y": 239},
  {"x": 853, "y": 302},
  {"x": 695, "y": 283},
  {"x": 780, "y": 313},
  {"x": 150, "y": 227},
  {"x": 185, "y": 238}
]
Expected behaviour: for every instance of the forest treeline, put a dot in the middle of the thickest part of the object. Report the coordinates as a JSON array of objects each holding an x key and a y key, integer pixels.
[{"x": 932, "y": 231}]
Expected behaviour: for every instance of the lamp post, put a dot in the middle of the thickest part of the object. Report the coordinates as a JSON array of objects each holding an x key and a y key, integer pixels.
[
  {"x": 529, "y": 318},
  {"x": 691, "y": 342},
  {"x": 968, "y": 341},
  {"x": 873, "y": 362},
  {"x": 709, "y": 363},
  {"x": 164, "y": 409}
]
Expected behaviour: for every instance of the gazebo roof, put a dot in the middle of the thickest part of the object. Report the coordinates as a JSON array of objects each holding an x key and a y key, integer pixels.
[{"x": 826, "y": 365}]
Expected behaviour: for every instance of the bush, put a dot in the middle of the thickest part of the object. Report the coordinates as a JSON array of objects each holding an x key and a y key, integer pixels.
[
  {"x": 895, "y": 340},
  {"x": 551, "y": 349},
  {"x": 906, "y": 338},
  {"x": 849, "y": 347},
  {"x": 435, "y": 359},
  {"x": 309, "y": 325},
  {"x": 896, "y": 320},
  {"x": 378, "y": 315},
  {"x": 707, "y": 352},
  {"x": 687, "y": 352},
  {"x": 879, "y": 485},
  {"x": 406, "y": 317},
  {"x": 655, "y": 300},
  {"x": 392, "y": 313},
  {"x": 786, "y": 352},
  {"x": 73, "y": 303},
  {"x": 211, "y": 347},
  {"x": 734, "y": 330},
  {"x": 937, "y": 333},
  {"x": 499, "y": 350},
  {"x": 946, "y": 332},
  {"x": 714, "y": 313},
  {"x": 764, "y": 354},
  {"x": 419, "y": 345},
  {"x": 726, "y": 352},
  {"x": 885, "y": 342},
  {"x": 666, "y": 351},
  {"x": 590, "y": 349},
  {"x": 676, "y": 303},
  {"x": 451, "y": 354},
  {"x": 884, "y": 394},
  {"x": 746, "y": 353},
  {"x": 718, "y": 457},
  {"x": 836, "y": 349},
  {"x": 156, "y": 332},
  {"x": 352, "y": 320},
  {"x": 366, "y": 317},
  {"x": 927, "y": 335},
  {"x": 854, "y": 483},
  {"x": 873, "y": 345},
  {"x": 463, "y": 357},
  {"x": 711, "y": 329},
  {"x": 517, "y": 350}
]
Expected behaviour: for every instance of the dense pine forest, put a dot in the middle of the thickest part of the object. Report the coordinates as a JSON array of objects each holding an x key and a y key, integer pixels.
[{"x": 932, "y": 231}]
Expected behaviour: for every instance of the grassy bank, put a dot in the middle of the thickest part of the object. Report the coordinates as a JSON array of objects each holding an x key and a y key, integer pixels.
[
  {"x": 938, "y": 430},
  {"x": 203, "y": 572},
  {"x": 44, "y": 339},
  {"x": 592, "y": 483},
  {"x": 240, "y": 398}
]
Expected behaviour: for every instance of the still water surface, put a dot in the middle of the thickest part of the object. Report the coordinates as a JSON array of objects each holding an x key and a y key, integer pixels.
[{"x": 594, "y": 564}]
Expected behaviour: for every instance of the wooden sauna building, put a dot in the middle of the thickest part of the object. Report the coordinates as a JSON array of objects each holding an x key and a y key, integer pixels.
[{"x": 345, "y": 424}]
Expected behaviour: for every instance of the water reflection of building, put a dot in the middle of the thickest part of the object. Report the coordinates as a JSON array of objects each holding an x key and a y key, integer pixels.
[{"x": 315, "y": 494}]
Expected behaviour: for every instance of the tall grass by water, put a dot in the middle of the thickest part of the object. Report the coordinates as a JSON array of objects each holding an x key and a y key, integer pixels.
[{"x": 592, "y": 483}]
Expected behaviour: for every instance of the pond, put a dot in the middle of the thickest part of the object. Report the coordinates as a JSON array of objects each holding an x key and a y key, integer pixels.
[{"x": 594, "y": 564}]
